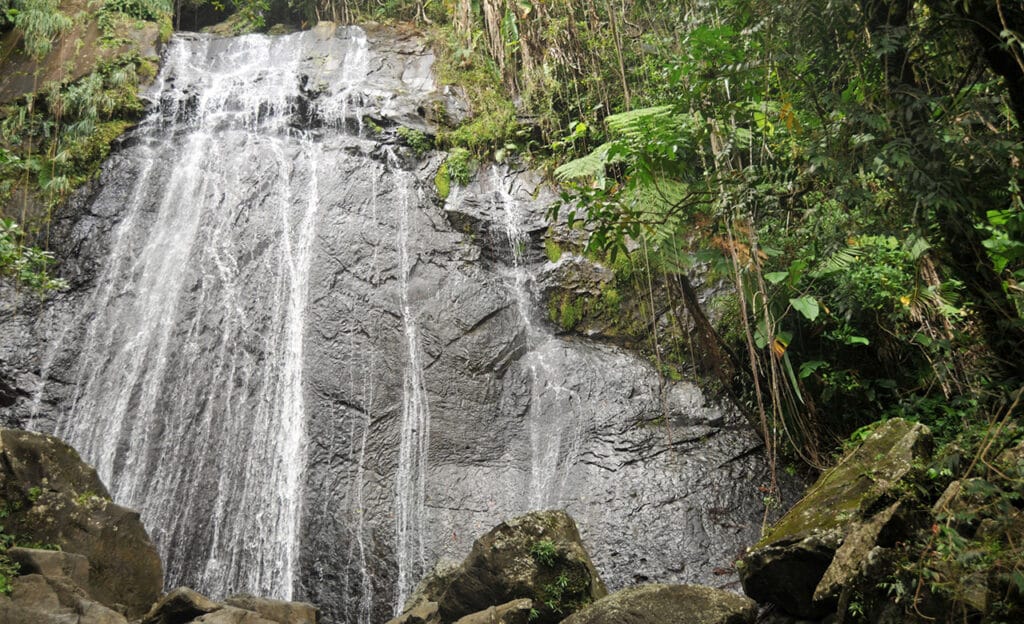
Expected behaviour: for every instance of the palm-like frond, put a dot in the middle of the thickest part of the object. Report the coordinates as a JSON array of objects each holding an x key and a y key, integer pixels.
[
  {"x": 589, "y": 166},
  {"x": 634, "y": 122}
]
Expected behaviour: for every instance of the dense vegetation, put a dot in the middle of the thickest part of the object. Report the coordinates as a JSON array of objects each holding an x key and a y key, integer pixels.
[
  {"x": 54, "y": 137},
  {"x": 852, "y": 170}
]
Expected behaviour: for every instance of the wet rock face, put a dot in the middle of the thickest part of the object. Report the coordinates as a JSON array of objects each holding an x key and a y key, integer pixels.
[{"x": 312, "y": 384}]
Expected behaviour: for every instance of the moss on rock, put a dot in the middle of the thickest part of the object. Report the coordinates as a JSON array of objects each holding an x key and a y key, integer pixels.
[
  {"x": 788, "y": 565},
  {"x": 52, "y": 497}
]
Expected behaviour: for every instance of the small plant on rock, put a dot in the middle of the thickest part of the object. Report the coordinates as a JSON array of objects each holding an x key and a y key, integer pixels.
[
  {"x": 418, "y": 141},
  {"x": 544, "y": 552}
]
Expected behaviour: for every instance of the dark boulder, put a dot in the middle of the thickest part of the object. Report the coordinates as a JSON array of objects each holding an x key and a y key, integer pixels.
[
  {"x": 53, "y": 497},
  {"x": 533, "y": 566},
  {"x": 180, "y": 605},
  {"x": 821, "y": 545},
  {"x": 537, "y": 556}
]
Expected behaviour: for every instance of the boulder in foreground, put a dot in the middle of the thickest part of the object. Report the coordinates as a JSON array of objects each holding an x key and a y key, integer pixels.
[
  {"x": 668, "y": 604},
  {"x": 538, "y": 557},
  {"x": 823, "y": 542},
  {"x": 53, "y": 497}
]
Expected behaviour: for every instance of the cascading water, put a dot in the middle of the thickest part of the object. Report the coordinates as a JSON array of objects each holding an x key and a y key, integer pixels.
[
  {"x": 410, "y": 479},
  {"x": 182, "y": 393},
  {"x": 554, "y": 421},
  {"x": 277, "y": 323}
]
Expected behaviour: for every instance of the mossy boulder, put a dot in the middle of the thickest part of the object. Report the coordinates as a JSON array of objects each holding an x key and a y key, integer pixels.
[
  {"x": 849, "y": 509},
  {"x": 668, "y": 604},
  {"x": 53, "y": 498},
  {"x": 538, "y": 557}
]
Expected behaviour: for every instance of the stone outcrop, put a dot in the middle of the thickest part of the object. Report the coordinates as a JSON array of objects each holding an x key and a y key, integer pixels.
[
  {"x": 75, "y": 53},
  {"x": 668, "y": 604},
  {"x": 534, "y": 565},
  {"x": 184, "y": 605},
  {"x": 282, "y": 611},
  {"x": 53, "y": 497},
  {"x": 823, "y": 543},
  {"x": 51, "y": 563},
  {"x": 38, "y": 599},
  {"x": 56, "y": 598}
]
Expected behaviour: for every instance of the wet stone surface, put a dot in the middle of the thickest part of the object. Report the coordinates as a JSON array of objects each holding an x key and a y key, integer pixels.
[{"x": 314, "y": 386}]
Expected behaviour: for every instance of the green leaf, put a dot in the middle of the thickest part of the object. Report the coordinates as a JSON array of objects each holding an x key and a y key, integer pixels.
[
  {"x": 852, "y": 340},
  {"x": 760, "y": 335},
  {"x": 776, "y": 276},
  {"x": 589, "y": 166},
  {"x": 807, "y": 368},
  {"x": 788, "y": 366},
  {"x": 1018, "y": 579},
  {"x": 916, "y": 246},
  {"x": 633, "y": 122},
  {"x": 806, "y": 305}
]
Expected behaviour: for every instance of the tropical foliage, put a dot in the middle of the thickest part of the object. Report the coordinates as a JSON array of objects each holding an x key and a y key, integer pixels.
[
  {"x": 855, "y": 172},
  {"x": 53, "y": 139}
]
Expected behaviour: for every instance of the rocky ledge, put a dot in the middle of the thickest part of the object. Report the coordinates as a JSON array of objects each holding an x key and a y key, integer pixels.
[
  {"x": 74, "y": 557},
  {"x": 534, "y": 569}
]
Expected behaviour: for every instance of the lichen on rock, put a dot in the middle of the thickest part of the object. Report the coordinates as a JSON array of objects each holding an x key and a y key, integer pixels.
[{"x": 795, "y": 565}]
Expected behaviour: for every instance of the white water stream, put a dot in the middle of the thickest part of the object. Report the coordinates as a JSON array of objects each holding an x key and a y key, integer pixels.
[{"x": 189, "y": 400}]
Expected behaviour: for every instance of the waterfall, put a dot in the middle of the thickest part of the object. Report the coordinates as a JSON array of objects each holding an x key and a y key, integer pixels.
[
  {"x": 189, "y": 400},
  {"x": 555, "y": 422},
  {"x": 315, "y": 379},
  {"x": 410, "y": 479}
]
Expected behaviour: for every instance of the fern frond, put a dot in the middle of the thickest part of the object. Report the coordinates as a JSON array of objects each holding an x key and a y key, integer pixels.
[
  {"x": 839, "y": 261},
  {"x": 589, "y": 166},
  {"x": 631, "y": 123}
]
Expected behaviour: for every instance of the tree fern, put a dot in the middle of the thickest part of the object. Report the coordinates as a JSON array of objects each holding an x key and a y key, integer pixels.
[
  {"x": 633, "y": 124},
  {"x": 589, "y": 166}
]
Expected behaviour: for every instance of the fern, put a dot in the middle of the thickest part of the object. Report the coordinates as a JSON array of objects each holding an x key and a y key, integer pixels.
[
  {"x": 632, "y": 124},
  {"x": 839, "y": 261},
  {"x": 589, "y": 166}
]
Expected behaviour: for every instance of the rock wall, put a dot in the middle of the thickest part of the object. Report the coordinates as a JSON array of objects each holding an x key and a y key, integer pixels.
[{"x": 315, "y": 381}]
